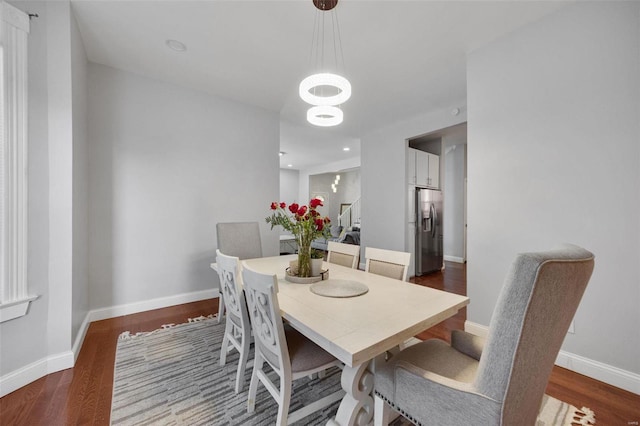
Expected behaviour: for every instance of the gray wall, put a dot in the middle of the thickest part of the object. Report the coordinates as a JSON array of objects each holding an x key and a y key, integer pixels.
[
  {"x": 167, "y": 164},
  {"x": 289, "y": 181},
  {"x": 80, "y": 290},
  {"x": 57, "y": 197},
  {"x": 554, "y": 125},
  {"x": 453, "y": 193},
  {"x": 16, "y": 350}
]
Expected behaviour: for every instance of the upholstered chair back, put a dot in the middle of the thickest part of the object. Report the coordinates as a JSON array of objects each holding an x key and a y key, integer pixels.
[
  {"x": 343, "y": 254},
  {"x": 239, "y": 239},
  {"x": 539, "y": 298}
]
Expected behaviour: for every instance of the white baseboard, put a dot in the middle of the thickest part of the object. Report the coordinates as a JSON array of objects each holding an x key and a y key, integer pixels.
[
  {"x": 453, "y": 259},
  {"x": 475, "y": 328},
  {"x": 606, "y": 373},
  {"x": 32, "y": 372},
  {"x": 51, "y": 364},
  {"x": 77, "y": 344},
  {"x": 148, "y": 305}
]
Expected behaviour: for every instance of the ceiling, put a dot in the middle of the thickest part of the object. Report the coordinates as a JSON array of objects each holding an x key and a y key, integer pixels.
[{"x": 401, "y": 57}]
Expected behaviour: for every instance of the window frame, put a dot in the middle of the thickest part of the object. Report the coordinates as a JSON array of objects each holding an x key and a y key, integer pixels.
[{"x": 14, "y": 31}]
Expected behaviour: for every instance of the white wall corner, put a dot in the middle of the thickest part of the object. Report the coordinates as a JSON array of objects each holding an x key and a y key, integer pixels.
[
  {"x": 77, "y": 345},
  {"x": 609, "y": 374},
  {"x": 32, "y": 372}
]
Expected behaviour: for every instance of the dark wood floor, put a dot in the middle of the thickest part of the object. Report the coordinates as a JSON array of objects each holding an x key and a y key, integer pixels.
[{"x": 82, "y": 395}]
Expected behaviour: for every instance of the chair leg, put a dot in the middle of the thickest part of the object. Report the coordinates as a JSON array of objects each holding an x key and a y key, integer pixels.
[
  {"x": 242, "y": 364},
  {"x": 381, "y": 411},
  {"x": 220, "y": 307},
  {"x": 285, "y": 400},
  {"x": 253, "y": 386},
  {"x": 225, "y": 343}
]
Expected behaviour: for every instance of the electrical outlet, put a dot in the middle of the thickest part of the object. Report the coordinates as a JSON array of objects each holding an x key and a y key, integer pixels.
[{"x": 571, "y": 328}]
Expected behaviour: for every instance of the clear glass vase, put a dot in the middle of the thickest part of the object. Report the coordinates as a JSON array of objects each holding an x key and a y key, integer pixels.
[{"x": 304, "y": 256}]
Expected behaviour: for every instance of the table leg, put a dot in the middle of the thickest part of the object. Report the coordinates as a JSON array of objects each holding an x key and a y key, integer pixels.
[{"x": 356, "y": 407}]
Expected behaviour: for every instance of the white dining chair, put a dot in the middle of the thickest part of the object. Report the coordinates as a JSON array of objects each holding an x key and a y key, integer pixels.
[
  {"x": 288, "y": 352},
  {"x": 343, "y": 254},
  {"x": 237, "y": 331},
  {"x": 239, "y": 239},
  {"x": 392, "y": 264}
]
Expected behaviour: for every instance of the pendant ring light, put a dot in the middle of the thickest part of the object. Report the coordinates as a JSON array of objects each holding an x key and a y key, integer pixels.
[
  {"x": 325, "y": 90},
  {"x": 307, "y": 86},
  {"x": 324, "y": 115}
]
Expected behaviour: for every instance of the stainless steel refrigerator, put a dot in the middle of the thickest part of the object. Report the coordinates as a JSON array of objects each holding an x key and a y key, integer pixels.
[{"x": 429, "y": 253}]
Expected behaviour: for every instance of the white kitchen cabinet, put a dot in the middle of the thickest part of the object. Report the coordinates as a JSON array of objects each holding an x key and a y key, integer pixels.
[
  {"x": 411, "y": 204},
  {"x": 423, "y": 169},
  {"x": 433, "y": 175},
  {"x": 411, "y": 166}
]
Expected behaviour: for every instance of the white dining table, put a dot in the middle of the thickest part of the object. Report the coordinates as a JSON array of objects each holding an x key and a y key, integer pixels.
[{"x": 358, "y": 330}]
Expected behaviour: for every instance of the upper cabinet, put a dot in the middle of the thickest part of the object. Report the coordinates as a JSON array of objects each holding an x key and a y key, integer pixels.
[
  {"x": 411, "y": 166},
  {"x": 423, "y": 169}
]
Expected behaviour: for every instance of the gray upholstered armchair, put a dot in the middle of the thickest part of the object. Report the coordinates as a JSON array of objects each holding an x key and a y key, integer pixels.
[{"x": 502, "y": 381}]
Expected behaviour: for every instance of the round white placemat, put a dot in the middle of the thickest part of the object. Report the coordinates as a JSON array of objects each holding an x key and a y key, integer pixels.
[{"x": 339, "y": 288}]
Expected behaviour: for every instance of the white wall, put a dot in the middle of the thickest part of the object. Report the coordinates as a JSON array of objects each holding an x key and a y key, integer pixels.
[
  {"x": 289, "y": 181},
  {"x": 554, "y": 156},
  {"x": 80, "y": 296},
  {"x": 40, "y": 342},
  {"x": 384, "y": 181},
  {"x": 15, "y": 350},
  {"x": 167, "y": 164},
  {"x": 454, "y": 147}
]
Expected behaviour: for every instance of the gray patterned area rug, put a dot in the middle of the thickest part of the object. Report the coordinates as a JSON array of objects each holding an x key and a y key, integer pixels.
[{"x": 172, "y": 376}]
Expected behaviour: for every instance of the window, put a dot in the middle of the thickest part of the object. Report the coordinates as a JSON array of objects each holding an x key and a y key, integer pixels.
[{"x": 14, "y": 29}]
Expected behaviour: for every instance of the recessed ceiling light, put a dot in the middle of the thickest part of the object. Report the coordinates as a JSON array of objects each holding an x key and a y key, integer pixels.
[
  {"x": 281, "y": 153},
  {"x": 176, "y": 45},
  {"x": 289, "y": 165},
  {"x": 346, "y": 148}
]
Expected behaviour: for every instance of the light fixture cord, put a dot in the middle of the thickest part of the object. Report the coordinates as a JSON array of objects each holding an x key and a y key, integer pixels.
[{"x": 344, "y": 66}]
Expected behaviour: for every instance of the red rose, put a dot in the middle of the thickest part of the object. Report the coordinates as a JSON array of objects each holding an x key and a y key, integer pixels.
[
  {"x": 315, "y": 203},
  {"x": 302, "y": 210},
  {"x": 283, "y": 205},
  {"x": 293, "y": 208},
  {"x": 274, "y": 206},
  {"x": 319, "y": 224},
  {"x": 327, "y": 220},
  {"x": 314, "y": 213}
]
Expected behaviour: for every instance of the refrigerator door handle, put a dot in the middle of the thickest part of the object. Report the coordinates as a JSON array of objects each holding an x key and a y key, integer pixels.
[{"x": 434, "y": 218}]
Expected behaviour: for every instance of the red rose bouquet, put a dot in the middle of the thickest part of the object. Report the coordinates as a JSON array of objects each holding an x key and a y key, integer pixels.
[{"x": 305, "y": 223}]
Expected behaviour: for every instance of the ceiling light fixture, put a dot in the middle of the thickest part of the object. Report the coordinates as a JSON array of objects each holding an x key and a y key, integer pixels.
[
  {"x": 176, "y": 45},
  {"x": 346, "y": 148},
  {"x": 325, "y": 90},
  {"x": 324, "y": 115}
]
